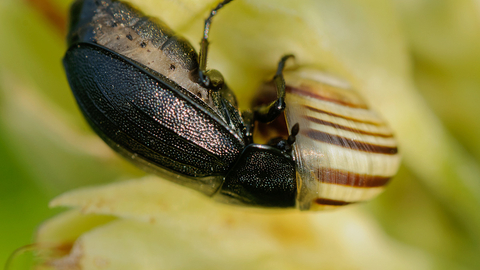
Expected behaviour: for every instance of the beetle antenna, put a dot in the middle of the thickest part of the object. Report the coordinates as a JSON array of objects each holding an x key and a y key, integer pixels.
[
  {"x": 293, "y": 133},
  {"x": 285, "y": 145},
  {"x": 204, "y": 43}
]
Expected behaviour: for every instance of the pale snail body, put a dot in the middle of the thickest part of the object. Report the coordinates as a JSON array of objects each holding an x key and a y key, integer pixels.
[{"x": 345, "y": 153}]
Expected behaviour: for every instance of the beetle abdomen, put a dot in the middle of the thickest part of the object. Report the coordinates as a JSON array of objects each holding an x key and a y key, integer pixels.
[
  {"x": 111, "y": 23},
  {"x": 138, "y": 111},
  {"x": 127, "y": 31},
  {"x": 344, "y": 152}
]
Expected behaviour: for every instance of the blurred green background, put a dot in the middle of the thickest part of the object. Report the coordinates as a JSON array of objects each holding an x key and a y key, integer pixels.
[{"x": 46, "y": 147}]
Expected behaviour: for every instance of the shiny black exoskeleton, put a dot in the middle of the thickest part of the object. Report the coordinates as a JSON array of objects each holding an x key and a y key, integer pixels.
[{"x": 148, "y": 95}]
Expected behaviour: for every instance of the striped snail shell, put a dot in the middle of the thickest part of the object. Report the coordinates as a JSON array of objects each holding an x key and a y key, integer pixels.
[{"x": 345, "y": 153}]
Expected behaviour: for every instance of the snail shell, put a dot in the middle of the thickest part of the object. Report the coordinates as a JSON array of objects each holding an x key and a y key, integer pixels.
[{"x": 345, "y": 153}]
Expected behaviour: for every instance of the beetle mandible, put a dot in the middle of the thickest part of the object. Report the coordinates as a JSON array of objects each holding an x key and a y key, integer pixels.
[{"x": 149, "y": 96}]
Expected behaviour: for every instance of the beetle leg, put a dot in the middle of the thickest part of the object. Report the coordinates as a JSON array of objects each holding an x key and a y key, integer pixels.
[
  {"x": 268, "y": 113},
  {"x": 211, "y": 78},
  {"x": 249, "y": 123}
]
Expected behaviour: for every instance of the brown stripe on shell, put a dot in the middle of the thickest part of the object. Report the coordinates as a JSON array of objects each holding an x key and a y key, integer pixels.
[
  {"x": 343, "y": 116},
  {"x": 327, "y": 96},
  {"x": 349, "y": 143},
  {"x": 346, "y": 178},
  {"x": 326, "y": 123},
  {"x": 322, "y": 201}
]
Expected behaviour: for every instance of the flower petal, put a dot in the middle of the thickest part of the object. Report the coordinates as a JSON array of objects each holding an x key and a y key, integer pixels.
[{"x": 165, "y": 226}]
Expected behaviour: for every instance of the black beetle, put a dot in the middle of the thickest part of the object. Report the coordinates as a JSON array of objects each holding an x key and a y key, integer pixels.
[{"x": 148, "y": 95}]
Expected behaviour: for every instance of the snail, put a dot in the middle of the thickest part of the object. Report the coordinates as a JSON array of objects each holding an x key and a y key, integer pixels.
[{"x": 344, "y": 152}]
